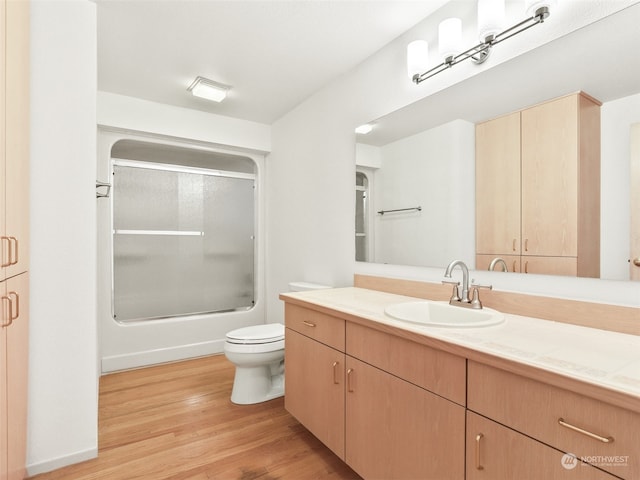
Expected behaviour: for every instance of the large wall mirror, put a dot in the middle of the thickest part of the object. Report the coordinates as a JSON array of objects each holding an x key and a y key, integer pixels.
[{"x": 417, "y": 166}]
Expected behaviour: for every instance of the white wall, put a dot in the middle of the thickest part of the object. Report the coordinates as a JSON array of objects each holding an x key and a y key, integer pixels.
[
  {"x": 435, "y": 170},
  {"x": 63, "y": 378},
  {"x": 616, "y": 119},
  {"x": 309, "y": 172}
]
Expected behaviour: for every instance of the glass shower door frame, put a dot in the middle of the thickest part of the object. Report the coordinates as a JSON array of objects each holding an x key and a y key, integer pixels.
[{"x": 179, "y": 169}]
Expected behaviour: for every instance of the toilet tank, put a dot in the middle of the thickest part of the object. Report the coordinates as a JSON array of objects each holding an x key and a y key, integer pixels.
[{"x": 304, "y": 286}]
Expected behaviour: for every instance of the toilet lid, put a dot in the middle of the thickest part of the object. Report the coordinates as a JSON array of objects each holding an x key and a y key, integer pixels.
[{"x": 270, "y": 332}]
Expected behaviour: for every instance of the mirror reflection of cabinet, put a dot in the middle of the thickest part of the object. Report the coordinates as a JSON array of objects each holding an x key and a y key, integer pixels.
[{"x": 538, "y": 188}]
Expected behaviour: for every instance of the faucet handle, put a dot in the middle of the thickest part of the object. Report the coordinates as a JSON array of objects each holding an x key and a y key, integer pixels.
[
  {"x": 475, "y": 295},
  {"x": 455, "y": 294},
  {"x": 477, "y": 285}
]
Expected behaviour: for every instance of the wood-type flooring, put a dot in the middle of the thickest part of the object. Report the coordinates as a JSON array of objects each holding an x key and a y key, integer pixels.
[{"x": 176, "y": 421}]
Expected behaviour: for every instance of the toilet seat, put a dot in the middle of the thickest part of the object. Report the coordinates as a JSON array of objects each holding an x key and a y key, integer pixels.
[{"x": 257, "y": 334}]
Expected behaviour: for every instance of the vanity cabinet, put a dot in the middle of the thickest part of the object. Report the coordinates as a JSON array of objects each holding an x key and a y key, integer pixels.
[
  {"x": 495, "y": 452},
  {"x": 315, "y": 374},
  {"x": 603, "y": 435},
  {"x": 538, "y": 187},
  {"x": 389, "y": 407}
]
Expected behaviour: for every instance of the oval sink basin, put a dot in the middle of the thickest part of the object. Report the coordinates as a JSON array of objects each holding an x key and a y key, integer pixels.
[{"x": 441, "y": 314}]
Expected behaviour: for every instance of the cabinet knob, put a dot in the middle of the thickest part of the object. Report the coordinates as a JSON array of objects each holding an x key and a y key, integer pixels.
[{"x": 636, "y": 261}]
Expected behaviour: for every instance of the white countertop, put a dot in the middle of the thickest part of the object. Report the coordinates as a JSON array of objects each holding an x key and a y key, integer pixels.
[{"x": 600, "y": 357}]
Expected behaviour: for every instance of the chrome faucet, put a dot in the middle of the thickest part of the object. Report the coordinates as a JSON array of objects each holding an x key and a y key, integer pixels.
[
  {"x": 458, "y": 296},
  {"x": 498, "y": 261},
  {"x": 461, "y": 298}
]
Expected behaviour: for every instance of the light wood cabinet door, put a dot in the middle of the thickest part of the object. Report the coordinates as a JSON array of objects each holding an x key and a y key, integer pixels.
[
  {"x": 4, "y": 428},
  {"x": 396, "y": 430},
  {"x": 498, "y": 186},
  {"x": 15, "y": 334},
  {"x": 314, "y": 388},
  {"x": 495, "y": 452},
  {"x": 4, "y": 240},
  {"x": 14, "y": 228},
  {"x": 550, "y": 178}
]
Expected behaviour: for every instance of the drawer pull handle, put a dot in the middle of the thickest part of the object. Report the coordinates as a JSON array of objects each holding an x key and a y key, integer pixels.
[
  {"x": 513, "y": 246},
  {"x": 9, "y": 251},
  {"x": 16, "y": 256},
  {"x": 309, "y": 324},
  {"x": 335, "y": 372},
  {"x": 349, "y": 372},
  {"x": 585, "y": 432},
  {"x": 478, "y": 464},
  {"x": 7, "y": 311}
]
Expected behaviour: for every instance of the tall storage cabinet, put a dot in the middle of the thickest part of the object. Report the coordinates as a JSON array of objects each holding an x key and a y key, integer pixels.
[
  {"x": 538, "y": 188},
  {"x": 14, "y": 235}
]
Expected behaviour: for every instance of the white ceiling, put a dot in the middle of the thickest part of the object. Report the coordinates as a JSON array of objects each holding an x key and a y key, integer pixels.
[{"x": 274, "y": 54}]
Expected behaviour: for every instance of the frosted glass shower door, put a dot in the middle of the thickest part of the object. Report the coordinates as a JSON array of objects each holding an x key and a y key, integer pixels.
[{"x": 183, "y": 241}]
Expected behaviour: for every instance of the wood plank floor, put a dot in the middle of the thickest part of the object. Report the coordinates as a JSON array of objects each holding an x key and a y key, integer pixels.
[{"x": 177, "y": 422}]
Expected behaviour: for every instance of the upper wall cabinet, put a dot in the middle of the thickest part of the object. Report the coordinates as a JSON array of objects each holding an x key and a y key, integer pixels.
[
  {"x": 14, "y": 139},
  {"x": 538, "y": 188}
]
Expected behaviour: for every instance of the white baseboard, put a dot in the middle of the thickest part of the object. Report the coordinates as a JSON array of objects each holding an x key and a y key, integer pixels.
[
  {"x": 161, "y": 355},
  {"x": 50, "y": 465}
]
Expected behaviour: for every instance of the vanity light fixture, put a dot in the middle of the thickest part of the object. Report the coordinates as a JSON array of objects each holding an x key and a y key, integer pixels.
[
  {"x": 205, "y": 88},
  {"x": 364, "y": 129},
  {"x": 490, "y": 31}
]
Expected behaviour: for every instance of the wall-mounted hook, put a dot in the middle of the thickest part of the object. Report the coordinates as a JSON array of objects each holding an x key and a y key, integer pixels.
[{"x": 104, "y": 194}]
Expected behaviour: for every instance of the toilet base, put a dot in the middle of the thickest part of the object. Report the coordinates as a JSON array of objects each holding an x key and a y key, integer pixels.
[{"x": 258, "y": 384}]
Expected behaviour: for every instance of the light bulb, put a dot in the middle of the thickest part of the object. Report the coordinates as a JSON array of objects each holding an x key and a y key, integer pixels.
[
  {"x": 417, "y": 58},
  {"x": 449, "y": 38},
  {"x": 490, "y": 18}
]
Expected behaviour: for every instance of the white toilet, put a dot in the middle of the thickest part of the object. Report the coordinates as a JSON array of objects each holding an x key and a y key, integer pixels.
[{"x": 258, "y": 354}]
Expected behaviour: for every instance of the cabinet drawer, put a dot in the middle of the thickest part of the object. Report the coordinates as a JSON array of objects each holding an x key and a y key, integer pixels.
[
  {"x": 550, "y": 265},
  {"x": 434, "y": 370},
  {"x": 608, "y": 436},
  {"x": 495, "y": 452},
  {"x": 319, "y": 326}
]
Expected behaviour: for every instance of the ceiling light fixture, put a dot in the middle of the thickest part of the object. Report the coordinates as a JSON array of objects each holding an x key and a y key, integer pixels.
[
  {"x": 490, "y": 21},
  {"x": 364, "y": 129},
  {"x": 205, "y": 88}
]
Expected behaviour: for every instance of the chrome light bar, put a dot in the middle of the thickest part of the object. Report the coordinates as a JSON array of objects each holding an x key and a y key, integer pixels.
[{"x": 480, "y": 52}]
